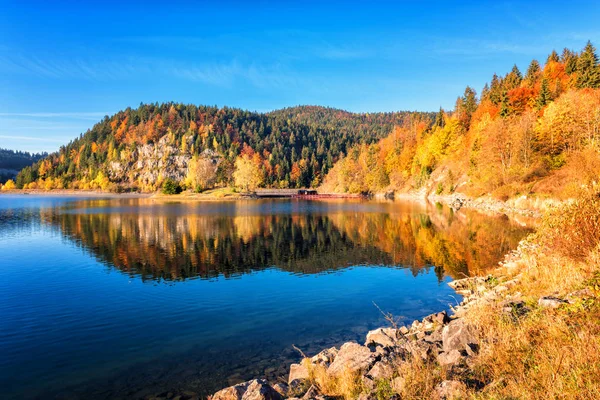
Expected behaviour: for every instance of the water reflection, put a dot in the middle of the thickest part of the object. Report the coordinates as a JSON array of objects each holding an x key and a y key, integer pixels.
[{"x": 174, "y": 242}]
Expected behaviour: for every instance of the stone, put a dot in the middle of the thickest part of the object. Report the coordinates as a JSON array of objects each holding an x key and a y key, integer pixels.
[
  {"x": 298, "y": 374},
  {"x": 385, "y": 337},
  {"x": 281, "y": 388},
  {"x": 325, "y": 357},
  {"x": 353, "y": 357},
  {"x": 404, "y": 330},
  {"x": 453, "y": 357},
  {"x": 582, "y": 294},
  {"x": 441, "y": 318},
  {"x": 259, "y": 389},
  {"x": 234, "y": 392},
  {"x": 312, "y": 393},
  {"x": 398, "y": 384},
  {"x": 448, "y": 390},
  {"x": 551, "y": 302},
  {"x": 457, "y": 335},
  {"x": 381, "y": 370}
]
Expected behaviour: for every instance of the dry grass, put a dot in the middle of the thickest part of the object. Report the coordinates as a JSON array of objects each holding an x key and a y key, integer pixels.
[{"x": 347, "y": 385}]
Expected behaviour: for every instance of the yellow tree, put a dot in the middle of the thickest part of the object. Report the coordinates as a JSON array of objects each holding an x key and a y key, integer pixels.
[
  {"x": 247, "y": 174},
  {"x": 202, "y": 172}
]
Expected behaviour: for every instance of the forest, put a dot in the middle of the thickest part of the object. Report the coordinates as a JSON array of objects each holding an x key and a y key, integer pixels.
[
  {"x": 11, "y": 162},
  {"x": 199, "y": 147},
  {"x": 536, "y": 132},
  {"x": 524, "y": 133}
]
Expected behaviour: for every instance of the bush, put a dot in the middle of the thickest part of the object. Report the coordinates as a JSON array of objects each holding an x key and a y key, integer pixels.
[
  {"x": 574, "y": 228},
  {"x": 171, "y": 187}
]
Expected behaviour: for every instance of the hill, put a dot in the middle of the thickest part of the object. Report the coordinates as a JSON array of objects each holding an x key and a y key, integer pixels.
[
  {"x": 534, "y": 133},
  {"x": 200, "y": 146},
  {"x": 11, "y": 162}
]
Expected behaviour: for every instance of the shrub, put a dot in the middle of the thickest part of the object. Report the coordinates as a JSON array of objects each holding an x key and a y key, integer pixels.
[
  {"x": 171, "y": 187},
  {"x": 574, "y": 228}
]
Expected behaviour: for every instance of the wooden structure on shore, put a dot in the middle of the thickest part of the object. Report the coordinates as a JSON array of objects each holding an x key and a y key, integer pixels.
[{"x": 303, "y": 194}]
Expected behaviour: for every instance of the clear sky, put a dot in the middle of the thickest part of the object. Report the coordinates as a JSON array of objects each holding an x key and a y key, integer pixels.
[{"x": 63, "y": 65}]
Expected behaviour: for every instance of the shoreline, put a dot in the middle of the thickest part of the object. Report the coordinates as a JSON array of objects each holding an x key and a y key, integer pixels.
[{"x": 450, "y": 340}]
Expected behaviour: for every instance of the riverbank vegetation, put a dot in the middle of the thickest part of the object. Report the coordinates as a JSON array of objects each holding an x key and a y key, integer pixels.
[
  {"x": 532, "y": 133},
  {"x": 535, "y": 320}
]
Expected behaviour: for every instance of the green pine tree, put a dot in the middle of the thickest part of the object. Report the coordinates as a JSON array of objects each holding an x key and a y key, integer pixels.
[
  {"x": 544, "y": 95},
  {"x": 588, "y": 72},
  {"x": 553, "y": 57},
  {"x": 504, "y": 105},
  {"x": 532, "y": 72},
  {"x": 439, "y": 118}
]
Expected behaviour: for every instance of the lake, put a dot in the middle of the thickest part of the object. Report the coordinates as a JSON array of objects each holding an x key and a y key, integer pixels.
[{"x": 133, "y": 297}]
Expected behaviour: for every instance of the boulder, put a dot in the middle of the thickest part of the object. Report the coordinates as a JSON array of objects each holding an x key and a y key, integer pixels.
[
  {"x": 325, "y": 357},
  {"x": 453, "y": 357},
  {"x": 398, "y": 384},
  {"x": 234, "y": 392},
  {"x": 257, "y": 389},
  {"x": 385, "y": 337},
  {"x": 281, "y": 388},
  {"x": 458, "y": 335},
  {"x": 551, "y": 302},
  {"x": 449, "y": 390},
  {"x": 381, "y": 370},
  {"x": 298, "y": 374},
  {"x": 353, "y": 357}
]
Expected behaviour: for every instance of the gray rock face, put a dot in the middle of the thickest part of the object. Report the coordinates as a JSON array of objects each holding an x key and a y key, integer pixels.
[
  {"x": 551, "y": 302},
  {"x": 353, "y": 357},
  {"x": 458, "y": 335},
  {"x": 257, "y": 389}
]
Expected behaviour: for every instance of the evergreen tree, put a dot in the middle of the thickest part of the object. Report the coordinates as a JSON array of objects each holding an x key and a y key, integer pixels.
[
  {"x": 569, "y": 58},
  {"x": 504, "y": 105},
  {"x": 588, "y": 72},
  {"x": 513, "y": 78},
  {"x": 485, "y": 92},
  {"x": 533, "y": 72},
  {"x": 544, "y": 95},
  {"x": 495, "y": 94},
  {"x": 439, "y": 119},
  {"x": 553, "y": 57}
]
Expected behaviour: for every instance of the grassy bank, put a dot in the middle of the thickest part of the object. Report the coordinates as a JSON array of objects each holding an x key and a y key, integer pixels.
[{"x": 527, "y": 349}]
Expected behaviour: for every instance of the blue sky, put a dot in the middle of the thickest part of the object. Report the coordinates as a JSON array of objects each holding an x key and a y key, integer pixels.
[{"x": 63, "y": 65}]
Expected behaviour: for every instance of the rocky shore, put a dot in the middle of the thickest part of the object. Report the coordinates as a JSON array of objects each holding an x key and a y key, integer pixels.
[{"x": 450, "y": 342}]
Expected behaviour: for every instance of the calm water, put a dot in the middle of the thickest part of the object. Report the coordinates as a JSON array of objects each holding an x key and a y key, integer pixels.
[{"x": 127, "y": 298}]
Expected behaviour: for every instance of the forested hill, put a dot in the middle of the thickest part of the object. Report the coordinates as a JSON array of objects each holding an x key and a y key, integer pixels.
[
  {"x": 201, "y": 146},
  {"x": 535, "y": 132},
  {"x": 12, "y": 161}
]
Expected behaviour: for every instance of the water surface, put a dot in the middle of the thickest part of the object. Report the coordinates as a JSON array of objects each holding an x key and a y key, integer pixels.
[{"x": 128, "y": 298}]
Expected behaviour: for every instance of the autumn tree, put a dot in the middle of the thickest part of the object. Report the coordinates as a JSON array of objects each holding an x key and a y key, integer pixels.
[
  {"x": 247, "y": 174},
  {"x": 202, "y": 173}
]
